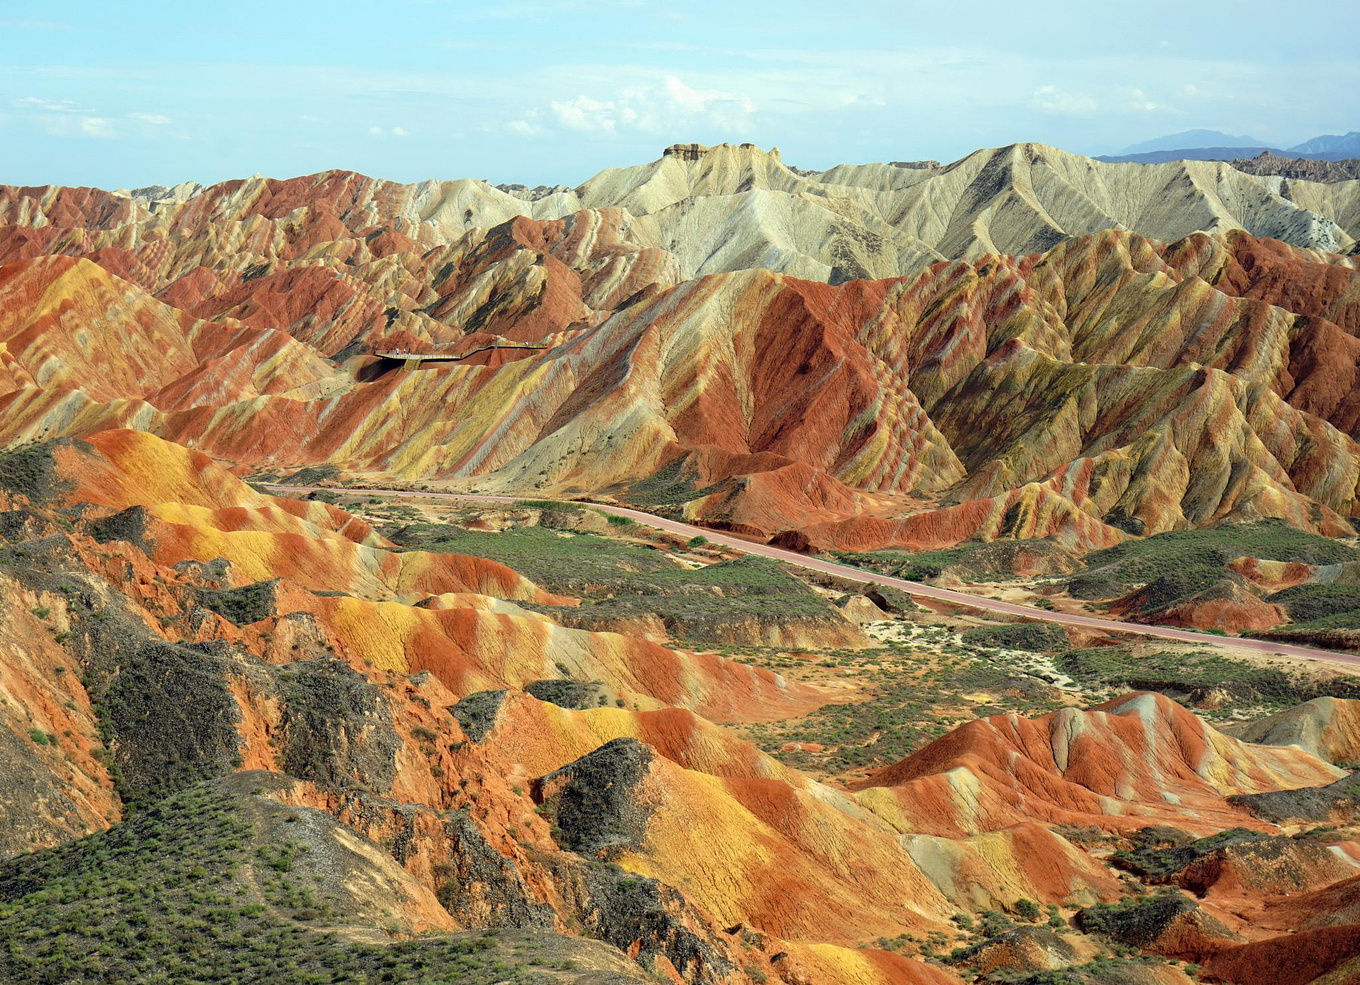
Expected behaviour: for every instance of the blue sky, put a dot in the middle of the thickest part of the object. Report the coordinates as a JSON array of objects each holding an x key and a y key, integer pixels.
[{"x": 546, "y": 91}]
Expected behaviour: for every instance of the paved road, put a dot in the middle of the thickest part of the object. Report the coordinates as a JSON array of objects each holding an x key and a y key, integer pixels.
[{"x": 1267, "y": 647}]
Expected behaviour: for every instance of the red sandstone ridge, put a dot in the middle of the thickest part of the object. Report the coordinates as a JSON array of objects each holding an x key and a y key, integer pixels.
[
  {"x": 1133, "y": 762},
  {"x": 1111, "y": 384}
]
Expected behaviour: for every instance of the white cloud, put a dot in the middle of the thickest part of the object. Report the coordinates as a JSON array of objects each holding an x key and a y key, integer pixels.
[
  {"x": 523, "y": 128},
  {"x": 1051, "y": 99},
  {"x": 658, "y": 107},
  {"x": 67, "y": 125},
  {"x": 152, "y": 119},
  {"x": 51, "y": 105},
  {"x": 97, "y": 126},
  {"x": 685, "y": 98},
  {"x": 1140, "y": 103},
  {"x": 381, "y": 133},
  {"x": 585, "y": 114}
]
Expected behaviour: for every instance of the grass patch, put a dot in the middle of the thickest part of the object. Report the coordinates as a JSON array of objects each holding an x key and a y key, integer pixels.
[
  {"x": 241, "y": 606},
  {"x": 313, "y": 475},
  {"x": 1131, "y": 915},
  {"x": 992, "y": 560},
  {"x": 1154, "y": 864},
  {"x": 548, "y": 504},
  {"x": 671, "y": 486},
  {"x": 557, "y": 560},
  {"x": 620, "y": 579}
]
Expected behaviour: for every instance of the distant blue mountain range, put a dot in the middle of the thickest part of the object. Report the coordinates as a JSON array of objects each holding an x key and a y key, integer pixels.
[
  {"x": 1192, "y": 138},
  {"x": 1348, "y": 143},
  {"x": 1214, "y": 145}
]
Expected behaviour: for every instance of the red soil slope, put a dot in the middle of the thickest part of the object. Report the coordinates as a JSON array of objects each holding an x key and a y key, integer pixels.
[{"x": 1112, "y": 381}]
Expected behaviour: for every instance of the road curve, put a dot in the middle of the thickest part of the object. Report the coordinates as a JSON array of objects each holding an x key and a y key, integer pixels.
[{"x": 1267, "y": 647}]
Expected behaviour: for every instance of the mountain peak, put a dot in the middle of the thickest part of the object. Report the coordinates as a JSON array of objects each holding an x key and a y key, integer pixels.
[
  {"x": 1194, "y": 138},
  {"x": 1330, "y": 143}
]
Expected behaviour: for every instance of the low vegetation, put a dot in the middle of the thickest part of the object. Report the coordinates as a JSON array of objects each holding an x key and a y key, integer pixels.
[
  {"x": 241, "y": 606},
  {"x": 558, "y": 560},
  {"x": 1164, "y": 570},
  {"x": 30, "y": 471},
  {"x": 1036, "y": 637},
  {"x": 671, "y": 486},
  {"x": 620, "y": 579},
  {"x": 911, "y": 565},
  {"x": 1326, "y": 606},
  {"x": 910, "y": 695},
  {"x": 188, "y": 891},
  {"x": 1197, "y": 557},
  {"x": 1196, "y": 676}
]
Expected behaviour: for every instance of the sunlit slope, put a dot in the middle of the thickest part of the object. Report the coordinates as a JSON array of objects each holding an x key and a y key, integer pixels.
[{"x": 1118, "y": 382}]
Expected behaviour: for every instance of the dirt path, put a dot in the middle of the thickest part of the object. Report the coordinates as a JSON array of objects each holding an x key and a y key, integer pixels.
[{"x": 1265, "y": 647}]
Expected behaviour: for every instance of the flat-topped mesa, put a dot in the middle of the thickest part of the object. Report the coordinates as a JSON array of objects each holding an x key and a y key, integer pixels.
[
  {"x": 686, "y": 152},
  {"x": 695, "y": 152}
]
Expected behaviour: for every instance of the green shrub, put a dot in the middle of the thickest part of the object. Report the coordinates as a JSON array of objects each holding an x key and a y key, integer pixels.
[
  {"x": 622, "y": 579},
  {"x": 994, "y": 922},
  {"x": 1180, "y": 674},
  {"x": 1315, "y": 603},
  {"x": 241, "y": 606},
  {"x": 1171, "y": 567},
  {"x": 1035, "y": 637},
  {"x": 547, "y": 504},
  {"x": 913, "y": 566},
  {"x": 31, "y": 471}
]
